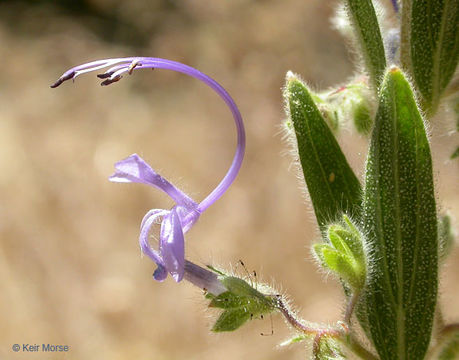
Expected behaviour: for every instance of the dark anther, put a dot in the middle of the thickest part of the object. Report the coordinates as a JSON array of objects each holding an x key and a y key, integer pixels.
[
  {"x": 62, "y": 79},
  {"x": 110, "y": 81},
  {"x": 105, "y": 75}
]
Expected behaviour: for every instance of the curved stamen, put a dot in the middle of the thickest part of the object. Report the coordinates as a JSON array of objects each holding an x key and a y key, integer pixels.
[{"x": 128, "y": 64}]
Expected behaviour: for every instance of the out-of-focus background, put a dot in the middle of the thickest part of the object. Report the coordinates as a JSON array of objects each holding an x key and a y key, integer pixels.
[{"x": 70, "y": 266}]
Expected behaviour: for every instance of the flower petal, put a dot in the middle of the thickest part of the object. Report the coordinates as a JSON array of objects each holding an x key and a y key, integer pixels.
[
  {"x": 160, "y": 273},
  {"x": 172, "y": 245},
  {"x": 134, "y": 169},
  {"x": 187, "y": 216},
  {"x": 147, "y": 223}
]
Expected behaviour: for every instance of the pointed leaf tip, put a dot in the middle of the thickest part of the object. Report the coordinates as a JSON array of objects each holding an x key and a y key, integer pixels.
[
  {"x": 400, "y": 223},
  {"x": 332, "y": 185}
]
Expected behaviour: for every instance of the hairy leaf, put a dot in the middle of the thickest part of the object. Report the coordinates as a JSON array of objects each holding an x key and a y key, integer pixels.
[
  {"x": 434, "y": 47},
  {"x": 401, "y": 225},
  {"x": 333, "y": 187},
  {"x": 365, "y": 23}
]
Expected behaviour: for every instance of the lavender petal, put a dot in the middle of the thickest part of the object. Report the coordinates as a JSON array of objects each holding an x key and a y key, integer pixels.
[
  {"x": 144, "y": 235},
  {"x": 172, "y": 245},
  {"x": 134, "y": 169}
]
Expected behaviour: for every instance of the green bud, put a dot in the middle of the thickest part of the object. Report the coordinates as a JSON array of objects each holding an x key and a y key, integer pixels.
[
  {"x": 363, "y": 120},
  {"x": 344, "y": 255}
]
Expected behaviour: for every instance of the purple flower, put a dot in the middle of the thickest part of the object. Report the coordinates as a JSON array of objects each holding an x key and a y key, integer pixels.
[
  {"x": 207, "y": 280},
  {"x": 170, "y": 256}
]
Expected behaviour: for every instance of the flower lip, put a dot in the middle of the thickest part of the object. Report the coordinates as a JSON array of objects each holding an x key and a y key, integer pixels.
[{"x": 178, "y": 220}]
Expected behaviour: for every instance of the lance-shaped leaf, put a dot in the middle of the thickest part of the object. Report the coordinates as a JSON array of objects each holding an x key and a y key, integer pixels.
[
  {"x": 333, "y": 187},
  {"x": 434, "y": 47},
  {"x": 399, "y": 218},
  {"x": 366, "y": 28}
]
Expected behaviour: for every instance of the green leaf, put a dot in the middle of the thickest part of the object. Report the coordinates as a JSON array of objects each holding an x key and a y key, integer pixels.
[
  {"x": 365, "y": 23},
  {"x": 400, "y": 224},
  {"x": 434, "y": 47},
  {"x": 231, "y": 320},
  {"x": 333, "y": 187}
]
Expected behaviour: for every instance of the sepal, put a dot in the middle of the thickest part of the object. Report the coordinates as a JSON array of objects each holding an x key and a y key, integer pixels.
[
  {"x": 327, "y": 349},
  {"x": 240, "y": 303}
]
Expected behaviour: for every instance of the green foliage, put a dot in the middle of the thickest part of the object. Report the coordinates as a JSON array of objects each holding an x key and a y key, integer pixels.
[
  {"x": 400, "y": 223},
  {"x": 365, "y": 24},
  {"x": 431, "y": 30},
  {"x": 333, "y": 187},
  {"x": 344, "y": 254},
  {"x": 240, "y": 303}
]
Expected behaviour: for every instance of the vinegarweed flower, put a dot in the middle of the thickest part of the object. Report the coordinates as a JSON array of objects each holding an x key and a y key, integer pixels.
[{"x": 170, "y": 256}]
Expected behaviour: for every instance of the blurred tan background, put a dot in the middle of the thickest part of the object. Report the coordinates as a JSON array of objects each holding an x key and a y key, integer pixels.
[{"x": 70, "y": 265}]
